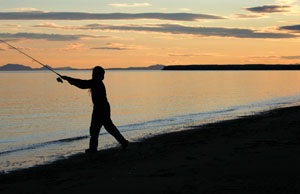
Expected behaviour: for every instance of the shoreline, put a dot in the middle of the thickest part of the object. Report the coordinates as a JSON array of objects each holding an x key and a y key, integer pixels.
[{"x": 252, "y": 154}]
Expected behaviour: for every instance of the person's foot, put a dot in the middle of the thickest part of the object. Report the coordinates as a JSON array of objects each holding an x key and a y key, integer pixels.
[
  {"x": 88, "y": 151},
  {"x": 125, "y": 145}
]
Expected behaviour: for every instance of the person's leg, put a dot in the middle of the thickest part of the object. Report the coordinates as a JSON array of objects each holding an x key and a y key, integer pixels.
[
  {"x": 95, "y": 127},
  {"x": 112, "y": 129}
]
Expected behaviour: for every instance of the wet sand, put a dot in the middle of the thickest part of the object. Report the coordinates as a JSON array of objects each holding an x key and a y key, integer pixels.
[{"x": 255, "y": 154}]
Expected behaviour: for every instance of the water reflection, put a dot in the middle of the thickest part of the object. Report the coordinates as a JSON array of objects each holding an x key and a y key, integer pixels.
[{"x": 35, "y": 108}]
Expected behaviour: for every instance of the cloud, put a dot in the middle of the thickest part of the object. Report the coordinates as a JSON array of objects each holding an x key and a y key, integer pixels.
[
  {"x": 195, "y": 55},
  {"x": 24, "y": 9},
  {"x": 269, "y": 9},
  {"x": 130, "y": 5},
  {"x": 178, "y": 29},
  {"x": 38, "y": 15},
  {"x": 184, "y": 9},
  {"x": 191, "y": 30},
  {"x": 261, "y": 56},
  {"x": 52, "y": 25},
  {"x": 294, "y": 28},
  {"x": 10, "y": 25},
  {"x": 290, "y": 57},
  {"x": 73, "y": 46},
  {"x": 49, "y": 37},
  {"x": 287, "y": 1},
  {"x": 247, "y": 16},
  {"x": 118, "y": 46},
  {"x": 109, "y": 48}
]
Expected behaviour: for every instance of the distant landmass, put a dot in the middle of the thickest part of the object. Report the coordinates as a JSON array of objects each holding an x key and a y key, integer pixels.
[
  {"x": 248, "y": 67},
  {"x": 15, "y": 67},
  {"x": 18, "y": 67},
  {"x": 152, "y": 67}
]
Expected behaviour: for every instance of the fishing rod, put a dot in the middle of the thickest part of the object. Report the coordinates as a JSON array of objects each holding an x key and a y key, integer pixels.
[{"x": 47, "y": 67}]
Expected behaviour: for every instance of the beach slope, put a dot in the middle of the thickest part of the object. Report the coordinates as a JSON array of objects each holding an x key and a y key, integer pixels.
[{"x": 255, "y": 154}]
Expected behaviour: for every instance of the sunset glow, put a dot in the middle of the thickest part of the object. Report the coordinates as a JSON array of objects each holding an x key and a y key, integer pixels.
[{"x": 82, "y": 34}]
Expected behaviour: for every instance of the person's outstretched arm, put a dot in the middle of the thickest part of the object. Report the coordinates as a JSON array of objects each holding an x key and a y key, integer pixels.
[{"x": 83, "y": 84}]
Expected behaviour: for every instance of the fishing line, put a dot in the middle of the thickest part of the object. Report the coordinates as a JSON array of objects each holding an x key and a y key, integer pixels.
[{"x": 47, "y": 67}]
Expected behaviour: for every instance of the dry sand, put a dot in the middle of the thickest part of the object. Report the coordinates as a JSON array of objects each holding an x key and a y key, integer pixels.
[{"x": 256, "y": 154}]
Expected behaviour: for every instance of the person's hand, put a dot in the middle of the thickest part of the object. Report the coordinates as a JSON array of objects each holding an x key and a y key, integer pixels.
[{"x": 64, "y": 77}]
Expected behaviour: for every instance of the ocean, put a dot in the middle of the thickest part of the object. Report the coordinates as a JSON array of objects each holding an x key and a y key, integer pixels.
[{"x": 42, "y": 121}]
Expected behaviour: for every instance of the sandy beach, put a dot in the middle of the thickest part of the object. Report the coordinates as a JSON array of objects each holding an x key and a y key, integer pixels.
[{"x": 255, "y": 154}]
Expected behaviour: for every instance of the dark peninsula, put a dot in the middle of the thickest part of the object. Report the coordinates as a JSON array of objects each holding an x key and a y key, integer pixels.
[{"x": 248, "y": 67}]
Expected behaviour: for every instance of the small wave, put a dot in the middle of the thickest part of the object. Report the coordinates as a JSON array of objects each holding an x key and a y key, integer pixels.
[
  {"x": 43, "y": 144},
  {"x": 174, "y": 120}
]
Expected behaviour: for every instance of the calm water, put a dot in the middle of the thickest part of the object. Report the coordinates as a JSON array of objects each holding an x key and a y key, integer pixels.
[{"x": 42, "y": 120}]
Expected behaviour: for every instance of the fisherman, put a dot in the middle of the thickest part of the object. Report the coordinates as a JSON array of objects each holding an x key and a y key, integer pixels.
[{"x": 101, "y": 110}]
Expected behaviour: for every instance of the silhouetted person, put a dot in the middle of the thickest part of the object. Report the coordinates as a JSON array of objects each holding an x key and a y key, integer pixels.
[{"x": 101, "y": 110}]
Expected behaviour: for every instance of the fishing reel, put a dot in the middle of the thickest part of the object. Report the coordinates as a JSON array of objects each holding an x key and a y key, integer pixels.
[{"x": 59, "y": 80}]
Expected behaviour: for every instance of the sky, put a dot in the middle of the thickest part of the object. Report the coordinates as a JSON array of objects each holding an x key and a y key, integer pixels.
[{"x": 130, "y": 33}]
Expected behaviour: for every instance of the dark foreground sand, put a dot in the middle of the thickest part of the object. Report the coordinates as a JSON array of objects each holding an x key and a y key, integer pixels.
[{"x": 257, "y": 154}]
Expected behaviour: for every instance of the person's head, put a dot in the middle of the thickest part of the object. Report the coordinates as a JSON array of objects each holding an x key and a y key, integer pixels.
[{"x": 98, "y": 73}]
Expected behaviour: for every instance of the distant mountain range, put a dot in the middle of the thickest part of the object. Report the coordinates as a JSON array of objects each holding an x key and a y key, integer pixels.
[
  {"x": 15, "y": 67},
  {"x": 18, "y": 67}
]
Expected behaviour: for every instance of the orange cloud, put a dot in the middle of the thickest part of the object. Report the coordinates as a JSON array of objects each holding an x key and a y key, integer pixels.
[
  {"x": 73, "y": 47},
  {"x": 118, "y": 46}
]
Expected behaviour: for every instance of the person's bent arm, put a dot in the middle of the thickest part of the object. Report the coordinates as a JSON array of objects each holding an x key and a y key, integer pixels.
[{"x": 83, "y": 84}]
